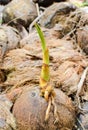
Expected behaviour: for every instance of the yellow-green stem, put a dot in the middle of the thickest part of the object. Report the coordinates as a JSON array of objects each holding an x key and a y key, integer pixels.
[{"x": 45, "y": 74}]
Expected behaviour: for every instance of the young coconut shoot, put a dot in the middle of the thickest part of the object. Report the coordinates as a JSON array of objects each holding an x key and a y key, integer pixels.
[{"x": 46, "y": 90}]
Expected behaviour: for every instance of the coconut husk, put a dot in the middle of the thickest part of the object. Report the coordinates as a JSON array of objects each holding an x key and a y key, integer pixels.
[
  {"x": 24, "y": 65},
  {"x": 21, "y": 11},
  {"x": 7, "y": 120},
  {"x": 9, "y": 39},
  {"x": 82, "y": 38}
]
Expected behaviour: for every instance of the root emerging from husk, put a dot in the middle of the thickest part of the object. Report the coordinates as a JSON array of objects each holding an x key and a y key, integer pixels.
[{"x": 48, "y": 93}]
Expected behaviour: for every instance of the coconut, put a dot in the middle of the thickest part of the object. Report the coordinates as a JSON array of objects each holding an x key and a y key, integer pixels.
[{"x": 30, "y": 109}]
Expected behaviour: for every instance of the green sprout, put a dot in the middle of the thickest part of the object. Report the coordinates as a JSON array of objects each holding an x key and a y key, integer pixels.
[
  {"x": 46, "y": 89},
  {"x": 45, "y": 74}
]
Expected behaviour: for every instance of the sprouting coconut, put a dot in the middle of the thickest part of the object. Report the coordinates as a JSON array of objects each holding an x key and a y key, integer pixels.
[
  {"x": 43, "y": 107},
  {"x": 47, "y": 91}
]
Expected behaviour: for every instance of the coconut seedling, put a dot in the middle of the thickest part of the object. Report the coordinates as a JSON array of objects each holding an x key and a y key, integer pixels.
[
  {"x": 43, "y": 101},
  {"x": 46, "y": 89}
]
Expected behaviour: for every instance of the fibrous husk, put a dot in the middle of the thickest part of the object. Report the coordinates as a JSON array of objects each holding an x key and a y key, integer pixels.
[
  {"x": 57, "y": 13},
  {"x": 24, "y": 65},
  {"x": 7, "y": 120},
  {"x": 68, "y": 63},
  {"x": 76, "y": 19},
  {"x": 18, "y": 63},
  {"x": 9, "y": 39},
  {"x": 82, "y": 38},
  {"x": 20, "y": 11},
  {"x": 32, "y": 110},
  {"x": 48, "y": 34}
]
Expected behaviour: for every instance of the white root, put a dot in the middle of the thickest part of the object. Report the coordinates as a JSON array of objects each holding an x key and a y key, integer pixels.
[
  {"x": 48, "y": 110},
  {"x": 51, "y": 102},
  {"x": 55, "y": 111}
]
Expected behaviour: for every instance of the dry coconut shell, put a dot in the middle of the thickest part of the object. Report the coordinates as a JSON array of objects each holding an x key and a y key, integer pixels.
[
  {"x": 9, "y": 39},
  {"x": 29, "y": 111},
  {"x": 20, "y": 11}
]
